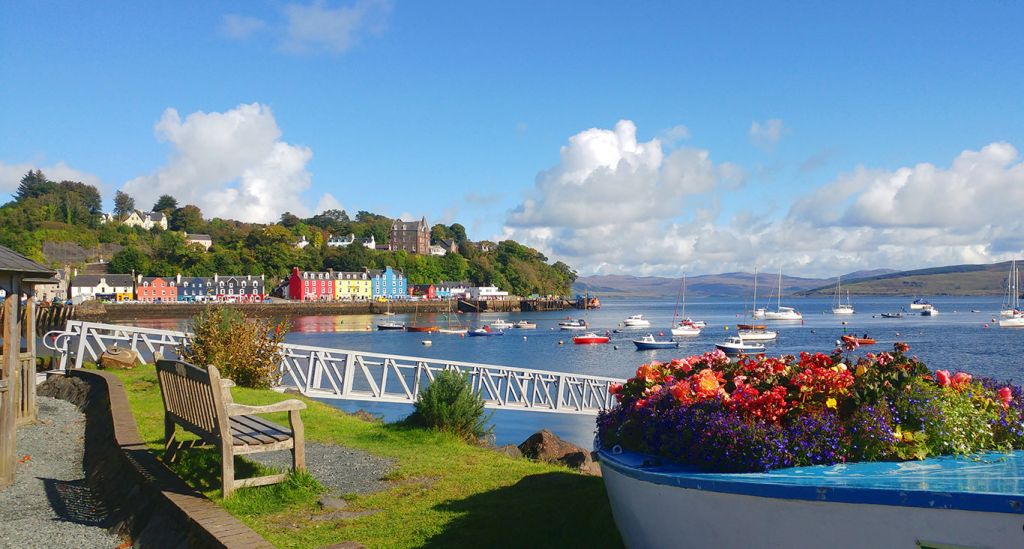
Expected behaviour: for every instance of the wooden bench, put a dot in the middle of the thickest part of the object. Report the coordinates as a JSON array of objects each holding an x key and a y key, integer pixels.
[{"x": 199, "y": 401}]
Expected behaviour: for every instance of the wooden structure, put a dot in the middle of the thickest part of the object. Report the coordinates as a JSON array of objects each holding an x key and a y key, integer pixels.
[
  {"x": 199, "y": 401},
  {"x": 18, "y": 274}
]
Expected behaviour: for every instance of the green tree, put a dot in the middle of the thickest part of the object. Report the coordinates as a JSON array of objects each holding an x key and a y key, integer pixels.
[
  {"x": 129, "y": 260},
  {"x": 88, "y": 195},
  {"x": 188, "y": 218},
  {"x": 289, "y": 220},
  {"x": 458, "y": 232},
  {"x": 166, "y": 204},
  {"x": 34, "y": 184},
  {"x": 124, "y": 204},
  {"x": 440, "y": 232}
]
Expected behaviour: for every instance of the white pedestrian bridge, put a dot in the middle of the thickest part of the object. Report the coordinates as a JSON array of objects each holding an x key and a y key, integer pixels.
[{"x": 326, "y": 373}]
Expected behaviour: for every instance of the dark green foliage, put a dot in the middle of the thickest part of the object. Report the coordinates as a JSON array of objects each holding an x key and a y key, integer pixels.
[
  {"x": 166, "y": 204},
  {"x": 33, "y": 185},
  {"x": 124, "y": 204},
  {"x": 129, "y": 260},
  {"x": 188, "y": 218},
  {"x": 449, "y": 404}
]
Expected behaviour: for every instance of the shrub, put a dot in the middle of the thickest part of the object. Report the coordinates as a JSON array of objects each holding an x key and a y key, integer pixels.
[
  {"x": 449, "y": 404},
  {"x": 245, "y": 350}
]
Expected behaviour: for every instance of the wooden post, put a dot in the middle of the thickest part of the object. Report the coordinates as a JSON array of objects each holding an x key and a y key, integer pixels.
[
  {"x": 12, "y": 352},
  {"x": 27, "y": 373}
]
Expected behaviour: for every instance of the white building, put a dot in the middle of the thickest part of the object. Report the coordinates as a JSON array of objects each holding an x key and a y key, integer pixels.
[
  {"x": 344, "y": 241},
  {"x": 146, "y": 220},
  {"x": 437, "y": 250},
  {"x": 486, "y": 292},
  {"x": 102, "y": 286},
  {"x": 302, "y": 243},
  {"x": 203, "y": 240}
]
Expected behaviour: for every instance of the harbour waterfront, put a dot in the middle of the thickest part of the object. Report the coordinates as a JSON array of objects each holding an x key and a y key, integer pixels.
[{"x": 957, "y": 339}]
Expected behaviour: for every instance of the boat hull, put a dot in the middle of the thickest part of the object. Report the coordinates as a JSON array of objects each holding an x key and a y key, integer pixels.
[
  {"x": 590, "y": 340},
  {"x": 783, "y": 316},
  {"x": 758, "y": 336},
  {"x": 476, "y": 333},
  {"x": 636, "y": 324},
  {"x": 685, "y": 331},
  {"x": 842, "y": 311},
  {"x": 731, "y": 350},
  {"x": 718, "y": 518},
  {"x": 1015, "y": 322},
  {"x": 386, "y": 327},
  {"x": 422, "y": 329},
  {"x": 648, "y": 346}
]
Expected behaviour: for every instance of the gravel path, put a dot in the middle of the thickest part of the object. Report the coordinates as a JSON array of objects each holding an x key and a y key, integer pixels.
[
  {"x": 49, "y": 504},
  {"x": 342, "y": 470}
]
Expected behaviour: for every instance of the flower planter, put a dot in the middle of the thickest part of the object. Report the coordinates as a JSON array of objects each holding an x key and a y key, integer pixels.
[{"x": 945, "y": 502}]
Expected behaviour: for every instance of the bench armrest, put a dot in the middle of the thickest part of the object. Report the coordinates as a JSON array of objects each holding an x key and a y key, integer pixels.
[
  {"x": 224, "y": 382},
  {"x": 283, "y": 406}
]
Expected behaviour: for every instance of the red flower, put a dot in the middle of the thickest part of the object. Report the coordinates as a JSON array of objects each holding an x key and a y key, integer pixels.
[
  {"x": 1005, "y": 396},
  {"x": 942, "y": 378},
  {"x": 960, "y": 380},
  {"x": 901, "y": 347},
  {"x": 615, "y": 388}
]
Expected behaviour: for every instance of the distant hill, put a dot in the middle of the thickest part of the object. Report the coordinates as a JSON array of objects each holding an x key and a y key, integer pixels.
[
  {"x": 732, "y": 285},
  {"x": 989, "y": 279}
]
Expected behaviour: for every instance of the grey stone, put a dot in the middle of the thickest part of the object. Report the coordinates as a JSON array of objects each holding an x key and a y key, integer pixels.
[{"x": 331, "y": 503}]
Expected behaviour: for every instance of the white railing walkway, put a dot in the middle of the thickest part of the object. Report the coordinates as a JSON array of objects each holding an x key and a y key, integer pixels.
[{"x": 322, "y": 372}]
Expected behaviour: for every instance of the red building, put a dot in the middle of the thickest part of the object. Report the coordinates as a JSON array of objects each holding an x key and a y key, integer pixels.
[
  {"x": 154, "y": 289},
  {"x": 310, "y": 286},
  {"x": 426, "y": 291}
]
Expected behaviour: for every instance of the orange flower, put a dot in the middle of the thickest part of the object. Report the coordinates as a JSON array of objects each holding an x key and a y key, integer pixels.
[{"x": 707, "y": 383}]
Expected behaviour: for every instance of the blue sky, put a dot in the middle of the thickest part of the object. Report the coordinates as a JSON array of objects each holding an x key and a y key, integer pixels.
[{"x": 800, "y": 129}]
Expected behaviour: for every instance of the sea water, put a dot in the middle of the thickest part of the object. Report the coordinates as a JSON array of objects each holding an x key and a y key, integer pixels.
[{"x": 957, "y": 340}]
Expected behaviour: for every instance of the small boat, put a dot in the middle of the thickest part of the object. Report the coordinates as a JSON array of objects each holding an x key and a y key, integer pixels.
[
  {"x": 780, "y": 312},
  {"x": 685, "y": 329},
  {"x": 1012, "y": 306},
  {"x": 930, "y": 310},
  {"x": 859, "y": 340},
  {"x": 501, "y": 324},
  {"x": 697, "y": 323},
  {"x": 455, "y": 331},
  {"x": 391, "y": 326},
  {"x": 759, "y": 312},
  {"x": 755, "y": 332},
  {"x": 524, "y": 325},
  {"x": 578, "y": 324},
  {"x": 920, "y": 303},
  {"x": 590, "y": 338},
  {"x": 484, "y": 332},
  {"x": 838, "y": 307},
  {"x": 686, "y": 326},
  {"x": 736, "y": 345},
  {"x": 892, "y": 315},
  {"x": 422, "y": 329},
  {"x": 636, "y": 321},
  {"x": 1012, "y": 322},
  {"x": 648, "y": 342}
]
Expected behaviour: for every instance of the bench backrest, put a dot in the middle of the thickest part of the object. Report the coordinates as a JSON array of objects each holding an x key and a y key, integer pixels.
[{"x": 192, "y": 396}]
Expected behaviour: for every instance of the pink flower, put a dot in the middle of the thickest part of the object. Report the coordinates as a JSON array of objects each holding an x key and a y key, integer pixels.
[
  {"x": 961, "y": 379},
  {"x": 615, "y": 388},
  {"x": 884, "y": 358},
  {"x": 942, "y": 378},
  {"x": 901, "y": 347},
  {"x": 1005, "y": 396}
]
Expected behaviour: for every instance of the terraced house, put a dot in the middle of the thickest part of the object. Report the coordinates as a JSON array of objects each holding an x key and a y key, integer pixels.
[
  {"x": 240, "y": 289},
  {"x": 311, "y": 285},
  {"x": 115, "y": 287},
  {"x": 352, "y": 286},
  {"x": 156, "y": 289},
  {"x": 388, "y": 284}
]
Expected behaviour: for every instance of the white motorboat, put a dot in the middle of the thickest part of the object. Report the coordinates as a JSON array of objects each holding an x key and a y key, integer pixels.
[
  {"x": 524, "y": 325},
  {"x": 930, "y": 310},
  {"x": 735, "y": 345},
  {"x": 578, "y": 324},
  {"x": 838, "y": 307},
  {"x": 780, "y": 312},
  {"x": 920, "y": 303},
  {"x": 501, "y": 324},
  {"x": 685, "y": 329},
  {"x": 636, "y": 321},
  {"x": 755, "y": 332}
]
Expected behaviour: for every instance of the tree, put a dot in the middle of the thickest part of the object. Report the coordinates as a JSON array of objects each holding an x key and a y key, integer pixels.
[
  {"x": 458, "y": 233},
  {"x": 288, "y": 219},
  {"x": 166, "y": 204},
  {"x": 439, "y": 232},
  {"x": 124, "y": 204},
  {"x": 129, "y": 260},
  {"x": 188, "y": 218},
  {"x": 88, "y": 195},
  {"x": 34, "y": 184}
]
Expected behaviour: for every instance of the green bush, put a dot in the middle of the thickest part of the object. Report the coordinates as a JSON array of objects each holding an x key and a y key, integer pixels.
[
  {"x": 449, "y": 404},
  {"x": 245, "y": 350}
]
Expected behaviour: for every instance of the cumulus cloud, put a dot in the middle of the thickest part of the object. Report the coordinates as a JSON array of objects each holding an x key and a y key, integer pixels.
[
  {"x": 231, "y": 164},
  {"x": 327, "y": 202},
  {"x": 240, "y": 27},
  {"x": 11, "y": 174},
  {"x": 318, "y": 28},
  {"x": 767, "y": 134},
  {"x": 595, "y": 211}
]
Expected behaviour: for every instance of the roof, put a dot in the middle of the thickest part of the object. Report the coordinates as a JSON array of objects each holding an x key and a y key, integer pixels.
[
  {"x": 11, "y": 260},
  {"x": 155, "y": 216},
  {"x": 409, "y": 225},
  {"x": 198, "y": 236},
  {"x": 112, "y": 280}
]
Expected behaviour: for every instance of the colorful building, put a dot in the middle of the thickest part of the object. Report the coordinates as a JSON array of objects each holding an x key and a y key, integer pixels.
[
  {"x": 388, "y": 284},
  {"x": 193, "y": 288},
  {"x": 156, "y": 289},
  {"x": 452, "y": 290},
  {"x": 352, "y": 286},
  {"x": 310, "y": 286},
  {"x": 241, "y": 289},
  {"x": 115, "y": 287},
  {"x": 426, "y": 291}
]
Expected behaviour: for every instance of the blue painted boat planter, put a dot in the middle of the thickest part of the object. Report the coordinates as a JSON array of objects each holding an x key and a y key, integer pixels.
[{"x": 944, "y": 502}]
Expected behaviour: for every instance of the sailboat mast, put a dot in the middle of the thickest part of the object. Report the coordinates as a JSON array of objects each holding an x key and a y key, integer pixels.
[
  {"x": 779, "y": 306},
  {"x": 684, "y": 295},
  {"x": 754, "y": 309}
]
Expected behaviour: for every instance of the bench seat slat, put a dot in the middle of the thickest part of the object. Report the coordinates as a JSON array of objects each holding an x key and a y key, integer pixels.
[
  {"x": 246, "y": 432},
  {"x": 265, "y": 426}
]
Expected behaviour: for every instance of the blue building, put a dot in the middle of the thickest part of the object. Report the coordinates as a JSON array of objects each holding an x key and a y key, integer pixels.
[
  {"x": 192, "y": 288},
  {"x": 389, "y": 284}
]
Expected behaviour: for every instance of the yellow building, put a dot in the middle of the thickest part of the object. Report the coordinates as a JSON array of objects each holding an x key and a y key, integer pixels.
[{"x": 352, "y": 286}]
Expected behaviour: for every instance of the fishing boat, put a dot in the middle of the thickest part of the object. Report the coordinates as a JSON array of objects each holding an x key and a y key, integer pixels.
[
  {"x": 780, "y": 312},
  {"x": 524, "y": 325},
  {"x": 485, "y": 332},
  {"x": 578, "y": 324},
  {"x": 390, "y": 325},
  {"x": 636, "y": 321},
  {"x": 920, "y": 303},
  {"x": 838, "y": 307},
  {"x": 501, "y": 324},
  {"x": 892, "y": 315},
  {"x": 736, "y": 345},
  {"x": 685, "y": 327},
  {"x": 590, "y": 338},
  {"x": 858, "y": 340},
  {"x": 755, "y": 332},
  {"x": 1011, "y": 307},
  {"x": 930, "y": 310},
  {"x": 648, "y": 342}
]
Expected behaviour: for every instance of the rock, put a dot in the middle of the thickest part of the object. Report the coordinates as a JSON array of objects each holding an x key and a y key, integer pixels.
[
  {"x": 330, "y": 503},
  {"x": 546, "y": 446},
  {"x": 366, "y": 416},
  {"x": 510, "y": 450},
  {"x": 292, "y": 391},
  {"x": 117, "y": 358}
]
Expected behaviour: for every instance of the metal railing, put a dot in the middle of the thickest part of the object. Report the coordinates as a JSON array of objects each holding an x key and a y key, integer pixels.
[{"x": 327, "y": 373}]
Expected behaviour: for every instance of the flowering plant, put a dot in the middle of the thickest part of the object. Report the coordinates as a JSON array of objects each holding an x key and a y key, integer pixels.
[{"x": 762, "y": 413}]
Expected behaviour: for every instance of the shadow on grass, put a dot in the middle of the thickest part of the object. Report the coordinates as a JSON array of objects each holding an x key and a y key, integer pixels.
[{"x": 546, "y": 510}]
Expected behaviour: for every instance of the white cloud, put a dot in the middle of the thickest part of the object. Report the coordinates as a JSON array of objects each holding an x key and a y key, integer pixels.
[
  {"x": 11, "y": 174},
  {"x": 318, "y": 28},
  {"x": 240, "y": 27},
  {"x": 327, "y": 202},
  {"x": 231, "y": 164},
  {"x": 674, "y": 135},
  {"x": 766, "y": 135}
]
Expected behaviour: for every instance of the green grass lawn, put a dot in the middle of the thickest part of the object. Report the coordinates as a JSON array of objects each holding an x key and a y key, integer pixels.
[{"x": 445, "y": 493}]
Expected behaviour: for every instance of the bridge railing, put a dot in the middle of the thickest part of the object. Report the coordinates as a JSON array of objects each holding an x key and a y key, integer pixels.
[{"x": 322, "y": 372}]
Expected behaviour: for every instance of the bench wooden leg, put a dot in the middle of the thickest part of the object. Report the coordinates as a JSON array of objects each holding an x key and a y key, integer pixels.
[
  {"x": 298, "y": 440},
  {"x": 227, "y": 469},
  {"x": 170, "y": 446}
]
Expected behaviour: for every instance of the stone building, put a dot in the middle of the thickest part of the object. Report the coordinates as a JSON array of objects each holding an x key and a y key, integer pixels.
[{"x": 411, "y": 236}]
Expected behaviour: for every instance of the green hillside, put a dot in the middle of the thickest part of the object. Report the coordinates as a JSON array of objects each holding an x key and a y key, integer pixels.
[
  {"x": 951, "y": 280},
  {"x": 60, "y": 223}
]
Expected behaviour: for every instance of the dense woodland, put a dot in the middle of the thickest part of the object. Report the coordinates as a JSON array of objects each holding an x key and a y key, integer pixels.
[{"x": 44, "y": 213}]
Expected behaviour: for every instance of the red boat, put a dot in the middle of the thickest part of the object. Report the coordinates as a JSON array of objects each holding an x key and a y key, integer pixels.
[
  {"x": 589, "y": 338},
  {"x": 421, "y": 328},
  {"x": 859, "y": 340}
]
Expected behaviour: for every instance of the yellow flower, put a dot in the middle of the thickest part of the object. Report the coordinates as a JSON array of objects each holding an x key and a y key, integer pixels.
[
  {"x": 831, "y": 402},
  {"x": 861, "y": 370}
]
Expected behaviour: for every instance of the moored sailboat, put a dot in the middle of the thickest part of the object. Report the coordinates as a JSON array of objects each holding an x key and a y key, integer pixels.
[
  {"x": 780, "y": 312},
  {"x": 838, "y": 307}
]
